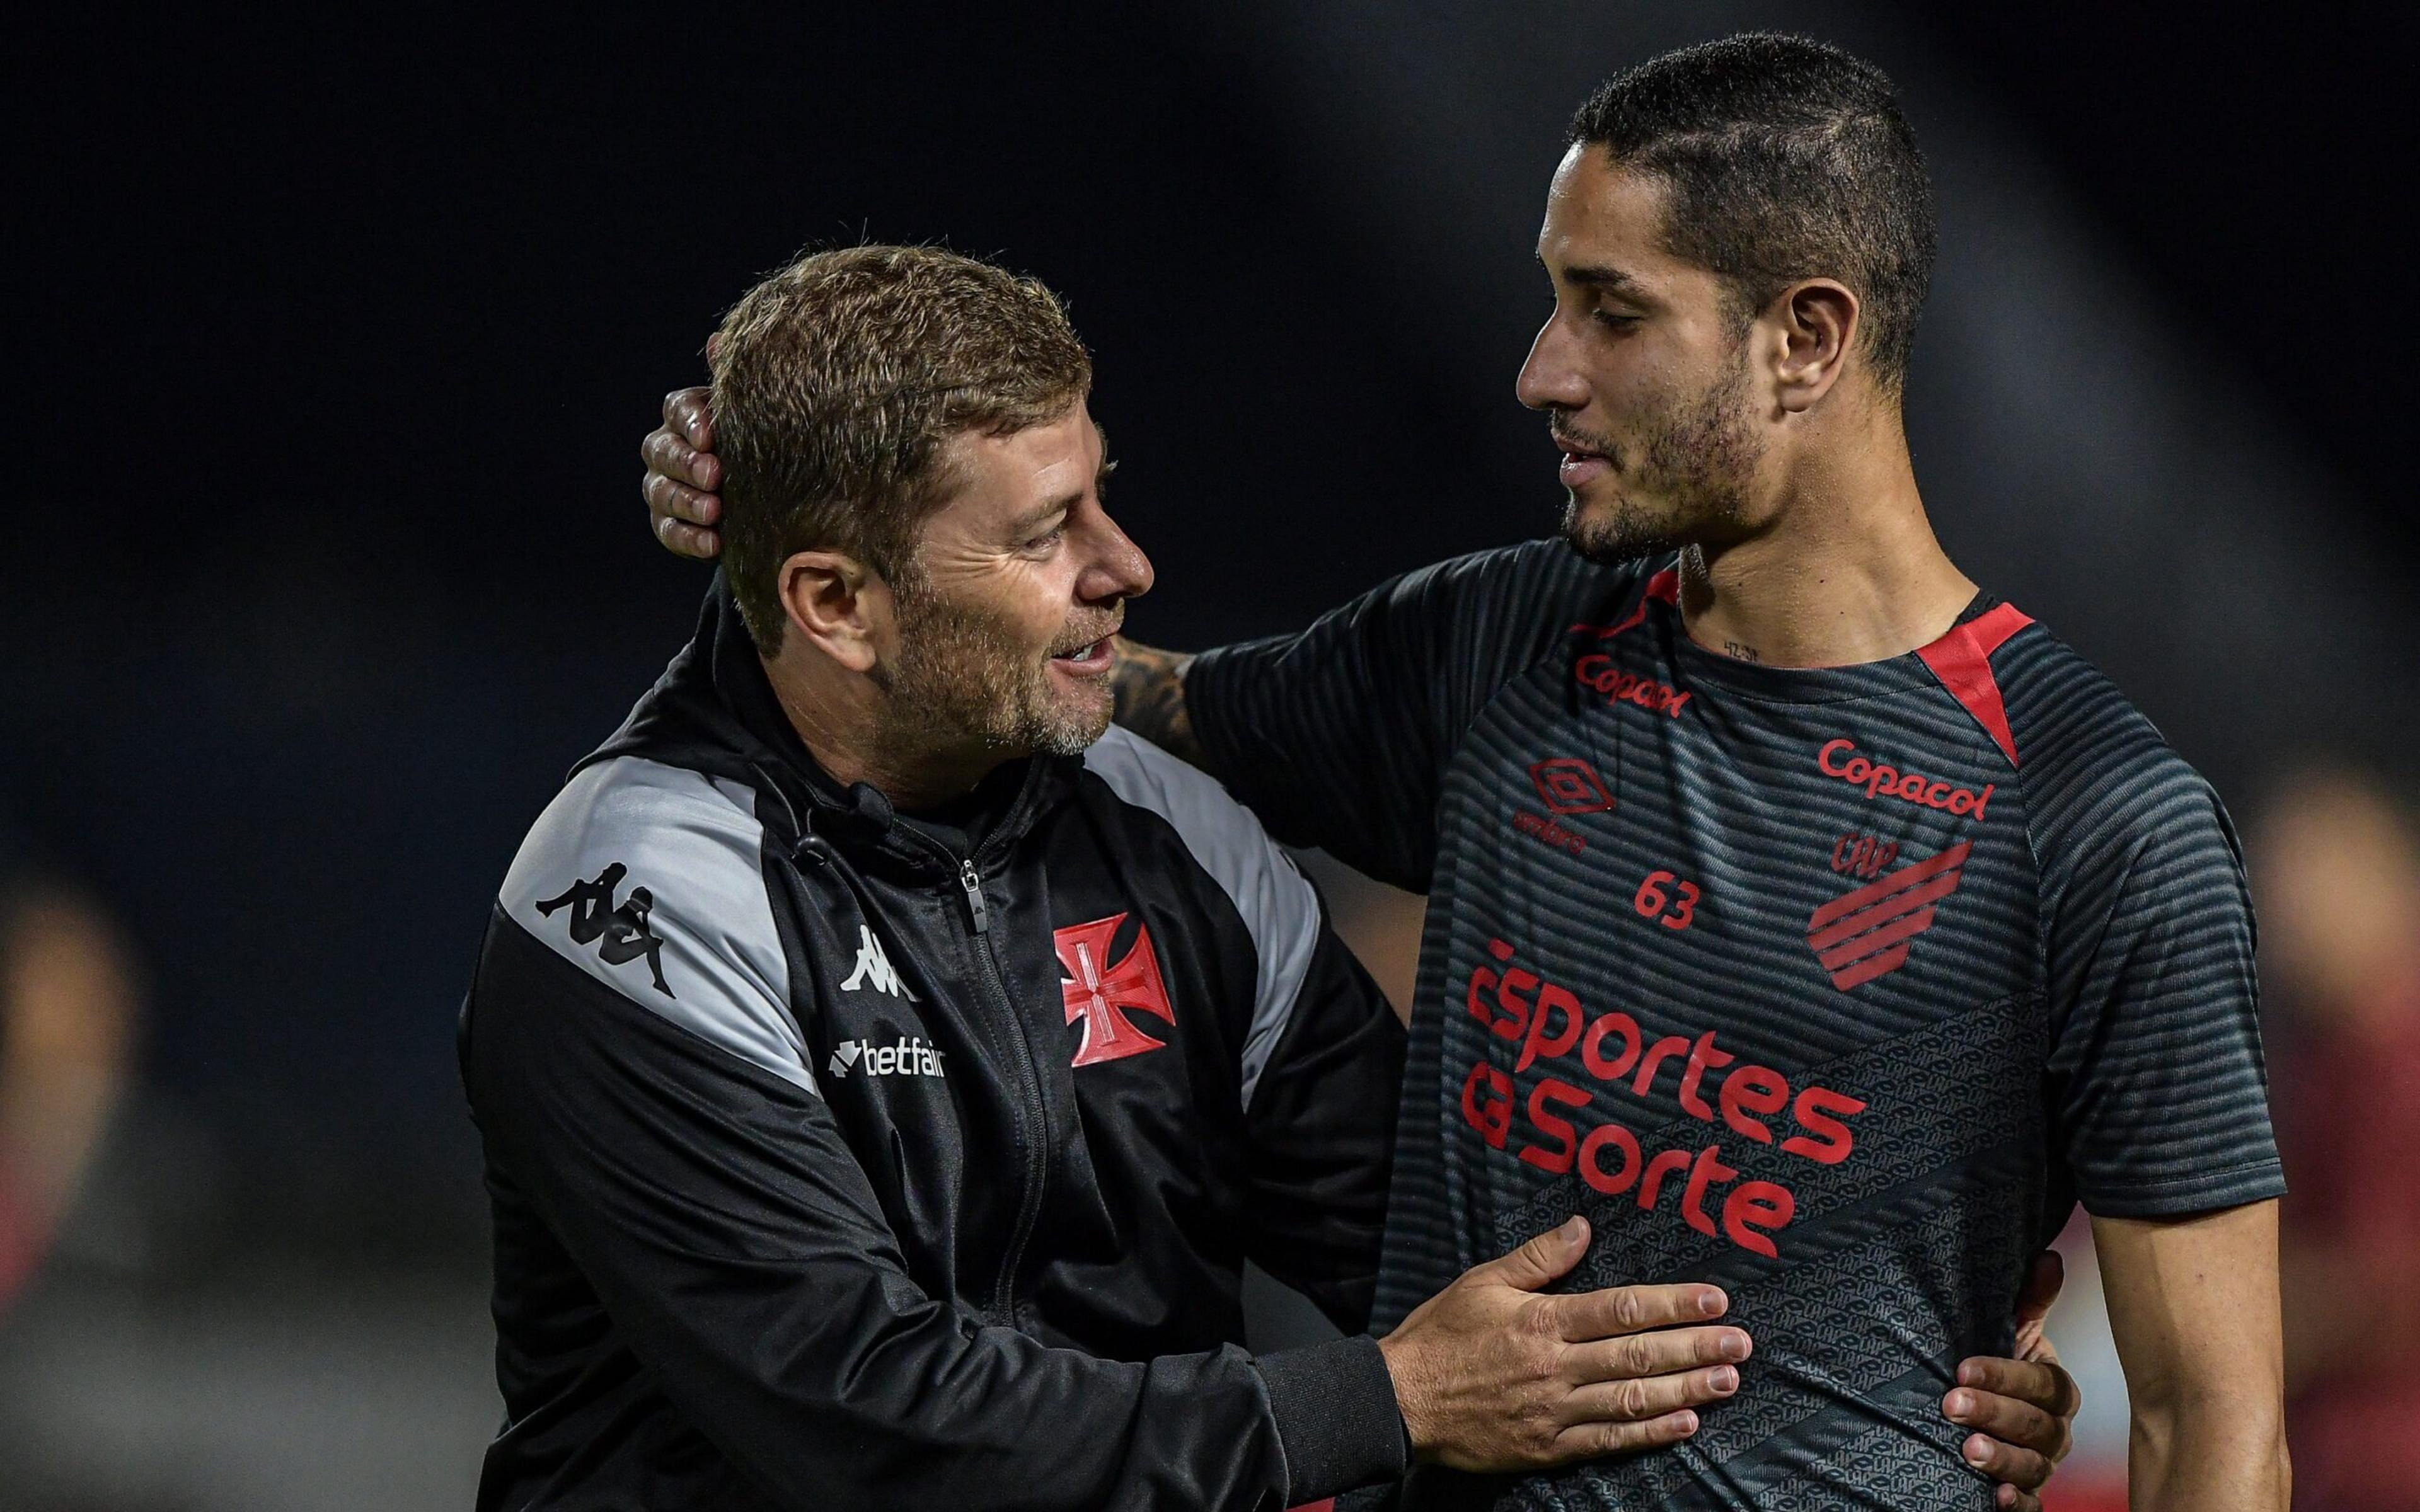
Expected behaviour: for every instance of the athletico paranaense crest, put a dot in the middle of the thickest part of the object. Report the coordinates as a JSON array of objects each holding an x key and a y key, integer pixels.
[
  {"x": 1865, "y": 933},
  {"x": 1099, "y": 990}
]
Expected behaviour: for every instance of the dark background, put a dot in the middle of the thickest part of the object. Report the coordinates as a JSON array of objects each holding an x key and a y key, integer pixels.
[{"x": 336, "y": 337}]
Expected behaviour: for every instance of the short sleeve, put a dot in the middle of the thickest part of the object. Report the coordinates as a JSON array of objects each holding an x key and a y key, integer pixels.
[
  {"x": 2157, "y": 1091},
  {"x": 1338, "y": 736}
]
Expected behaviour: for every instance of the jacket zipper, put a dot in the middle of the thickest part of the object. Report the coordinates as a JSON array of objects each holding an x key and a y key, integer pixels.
[
  {"x": 1038, "y": 1163},
  {"x": 972, "y": 880}
]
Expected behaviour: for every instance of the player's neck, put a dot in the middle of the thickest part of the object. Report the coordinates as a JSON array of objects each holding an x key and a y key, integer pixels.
[{"x": 1849, "y": 570}]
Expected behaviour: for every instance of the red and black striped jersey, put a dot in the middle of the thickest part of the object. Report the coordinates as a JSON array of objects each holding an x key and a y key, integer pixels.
[{"x": 1838, "y": 987}]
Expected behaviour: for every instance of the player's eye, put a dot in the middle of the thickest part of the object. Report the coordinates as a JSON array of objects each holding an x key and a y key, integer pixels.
[{"x": 1614, "y": 320}]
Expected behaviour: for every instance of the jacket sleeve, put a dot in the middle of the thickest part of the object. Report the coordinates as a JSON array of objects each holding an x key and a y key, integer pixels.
[
  {"x": 1322, "y": 1132},
  {"x": 736, "y": 1242}
]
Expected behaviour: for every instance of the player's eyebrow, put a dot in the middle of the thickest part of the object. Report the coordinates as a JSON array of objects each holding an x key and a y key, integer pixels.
[{"x": 1603, "y": 280}]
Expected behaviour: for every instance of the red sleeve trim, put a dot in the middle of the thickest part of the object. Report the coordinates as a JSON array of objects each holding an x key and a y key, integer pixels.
[{"x": 1962, "y": 661}]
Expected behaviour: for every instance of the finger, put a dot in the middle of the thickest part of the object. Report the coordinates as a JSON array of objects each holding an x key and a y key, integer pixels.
[
  {"x": 2021, "y": 1468},
  {"x": 666, "y": 452},
  {"x": 2041, "y": 1286},
  {"x": 690, "y": 413},
  {"x": 1657, "y": 1353},
  {"x": 2009, "y": 1499},
  {"x": 666, "y": 497},
  {"x": 1593, "y": 1440},
  {"x": 687, "y": 540},
  {"x": 1642, "y": 1397},
  {"x": 2042, "y": 1382},
  {"x": 1539, "y": 1260},
  {"x": 2007, "y": 1419},
  {"x": 1595, "y": 1315}
]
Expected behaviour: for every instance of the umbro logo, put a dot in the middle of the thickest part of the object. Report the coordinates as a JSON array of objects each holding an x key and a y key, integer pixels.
[
  {"x": 1569, "y": 785},
  {"x": 904, "y": 1056},
  {"x": 1865, "y": 933},
  {"x": 621, "y": 935},
  {"x": 873, "y": 971}
]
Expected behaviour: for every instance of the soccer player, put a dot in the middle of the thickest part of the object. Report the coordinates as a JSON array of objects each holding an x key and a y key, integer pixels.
[{"x": 1809, "y": 919}]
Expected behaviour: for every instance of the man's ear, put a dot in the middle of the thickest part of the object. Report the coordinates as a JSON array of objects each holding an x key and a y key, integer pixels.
[
  {"x": 1811, "y": 328},
  {"x": 838, "y": 604}
]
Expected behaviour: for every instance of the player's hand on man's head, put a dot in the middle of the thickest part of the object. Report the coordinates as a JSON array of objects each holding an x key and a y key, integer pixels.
[
  {"x": 683, "y": 474},
  {"x": 1492, "y": 1374},
  {"x": 2023, "y": 1410}
]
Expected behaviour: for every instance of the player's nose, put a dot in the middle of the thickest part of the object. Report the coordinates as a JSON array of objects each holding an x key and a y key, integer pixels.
[{"x": 1549, "y": 377}]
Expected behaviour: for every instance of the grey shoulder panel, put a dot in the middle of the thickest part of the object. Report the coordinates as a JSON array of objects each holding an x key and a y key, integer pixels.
[
  {"x": 1279, "y": 907},
  {"x": 651, "y": 878}
]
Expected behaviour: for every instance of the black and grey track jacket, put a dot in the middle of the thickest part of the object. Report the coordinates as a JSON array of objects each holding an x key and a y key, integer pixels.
[{"x": 836, "y": 1164}]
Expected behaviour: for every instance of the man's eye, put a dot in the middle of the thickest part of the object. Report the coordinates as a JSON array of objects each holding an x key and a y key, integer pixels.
[
  {"x": 1614, "y": 320},
  {"x": 1047, "y": 539}
]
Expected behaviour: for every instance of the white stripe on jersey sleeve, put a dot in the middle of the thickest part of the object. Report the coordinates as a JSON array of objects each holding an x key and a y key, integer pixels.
[
  {"x": 693, "y": 843},
  {"x": 1279, "y": 909}
]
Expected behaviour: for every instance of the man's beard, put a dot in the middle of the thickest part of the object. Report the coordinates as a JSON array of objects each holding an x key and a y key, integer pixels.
[
  {"x": 1686, "y": 483},
  {"x": 962, "y": 679}
]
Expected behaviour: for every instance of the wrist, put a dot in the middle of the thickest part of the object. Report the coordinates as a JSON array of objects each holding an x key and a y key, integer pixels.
[
  {"x": 1400, "y": 1356},
  {"x": 1337, "y": 1417}
]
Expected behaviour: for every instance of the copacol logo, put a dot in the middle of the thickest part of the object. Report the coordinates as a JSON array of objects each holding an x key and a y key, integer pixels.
[{"x": 904, "y": 1056}]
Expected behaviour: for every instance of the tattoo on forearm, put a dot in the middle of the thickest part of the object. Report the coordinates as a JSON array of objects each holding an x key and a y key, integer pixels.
[
  {"x": 1732, "y": 648},
  {"x": 1149, "y": 687}
]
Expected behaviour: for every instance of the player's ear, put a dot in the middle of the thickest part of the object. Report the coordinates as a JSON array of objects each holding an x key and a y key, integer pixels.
[
  {"x": 1810, "y": 329},
  {"x": 836, "y": 604}
]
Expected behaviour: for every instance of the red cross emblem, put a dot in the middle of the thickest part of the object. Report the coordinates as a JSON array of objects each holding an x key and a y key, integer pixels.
[{"x": 1095, "y": 991}]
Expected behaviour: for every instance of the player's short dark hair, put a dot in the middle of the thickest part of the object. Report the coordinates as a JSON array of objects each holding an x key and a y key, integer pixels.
[
  {"x": 1782, "y": 159},
  {"x": 837, "y": 379}
]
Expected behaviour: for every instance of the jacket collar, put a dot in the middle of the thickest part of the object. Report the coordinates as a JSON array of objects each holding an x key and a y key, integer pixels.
[{"x": 714, "y": 710}]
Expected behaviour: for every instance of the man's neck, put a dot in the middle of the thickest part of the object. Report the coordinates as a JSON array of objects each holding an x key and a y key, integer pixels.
[
  {"x": 840, "y": 718},
  {"x": 1847, "y": 572}
]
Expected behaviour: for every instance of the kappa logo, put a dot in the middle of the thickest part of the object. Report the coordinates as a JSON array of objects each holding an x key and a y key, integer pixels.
[
  {"x": 621, "y": 935},
  {"x": 902, "y": 1056},
  {"x": 1865, "y": 933},
  {"x": 1097, "y": 992},
  {"x": 873, "y": 972}
]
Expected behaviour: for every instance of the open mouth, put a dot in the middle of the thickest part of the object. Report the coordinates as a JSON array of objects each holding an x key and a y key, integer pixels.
[
  {"x": 1580, "y": 465},
  {"x": 1086, "y": 660}
]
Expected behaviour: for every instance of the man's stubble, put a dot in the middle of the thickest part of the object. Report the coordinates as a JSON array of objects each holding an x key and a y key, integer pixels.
[
  {"x": 961, "y": 679},
  {"x": 1692, "y": 461}
]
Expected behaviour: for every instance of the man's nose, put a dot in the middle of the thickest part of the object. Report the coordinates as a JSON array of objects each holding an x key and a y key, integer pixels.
[
  {"x": 1120, "y": 570},
  {"x": 1549, "y": 379}
]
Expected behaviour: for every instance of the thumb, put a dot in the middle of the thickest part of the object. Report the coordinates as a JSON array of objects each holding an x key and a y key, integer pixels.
[
  {"x": 2041, "y": 1286},
  {"x": 1540, "y": 1259}
]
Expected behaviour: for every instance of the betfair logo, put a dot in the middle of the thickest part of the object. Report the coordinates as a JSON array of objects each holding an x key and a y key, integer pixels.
[{"x": 902, "y": 1057}]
